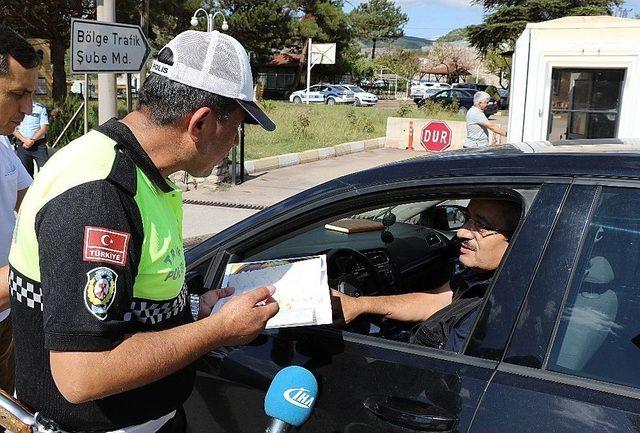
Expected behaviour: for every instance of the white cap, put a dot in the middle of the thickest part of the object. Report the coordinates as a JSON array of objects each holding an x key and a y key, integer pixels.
[{"x": 217, "y": 63}]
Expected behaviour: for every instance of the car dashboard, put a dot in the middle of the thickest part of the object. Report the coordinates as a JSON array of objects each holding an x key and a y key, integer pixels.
[{"x": 415, "y": 259}]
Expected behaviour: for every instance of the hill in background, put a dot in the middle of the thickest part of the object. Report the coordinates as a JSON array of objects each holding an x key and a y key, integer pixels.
[
  {"x": 455, "y": 35},
  {"x": 405, "y": 42},
  {"x": 415, "y": 43}
]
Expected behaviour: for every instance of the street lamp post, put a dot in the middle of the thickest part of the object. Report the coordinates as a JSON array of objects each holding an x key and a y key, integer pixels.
[{"x": 210, "y": 20}]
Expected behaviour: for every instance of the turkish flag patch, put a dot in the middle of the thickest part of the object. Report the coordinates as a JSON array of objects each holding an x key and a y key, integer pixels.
[{"x": 105, "y": 246}]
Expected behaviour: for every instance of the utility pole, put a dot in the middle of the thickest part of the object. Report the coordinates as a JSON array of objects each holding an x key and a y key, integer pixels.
[
  {"x": 107, "y": 102},
  {"x": 144, "y": 23}
]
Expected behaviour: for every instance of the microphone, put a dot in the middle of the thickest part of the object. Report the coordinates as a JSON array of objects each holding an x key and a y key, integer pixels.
[{"x": 290, "y": 398}]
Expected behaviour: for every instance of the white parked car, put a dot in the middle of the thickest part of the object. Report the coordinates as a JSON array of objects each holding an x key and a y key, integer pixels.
[
  {"x": 418, "y": 90},
  {"x": 330, "y": 94},
  {"x": 315, "y": 95},
  {"x": 362, "y": 98}
]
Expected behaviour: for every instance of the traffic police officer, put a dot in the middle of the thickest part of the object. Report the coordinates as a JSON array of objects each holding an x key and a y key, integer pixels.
[
  {"x": 31, "y": 143},
  {"x": 103, "y": 331}
]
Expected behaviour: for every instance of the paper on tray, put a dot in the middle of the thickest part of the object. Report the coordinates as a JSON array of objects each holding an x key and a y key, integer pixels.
[{"x": 301, "y": 286}]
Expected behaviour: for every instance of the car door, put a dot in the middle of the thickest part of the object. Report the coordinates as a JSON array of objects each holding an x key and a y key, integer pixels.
[
  {"x": 443, "y": 98},
  {"x": 572, "y": 361},
  {"x": 367, "y": 384},
  {"x": 312, "y": 95},
  {"x": 462, "y": 98}
]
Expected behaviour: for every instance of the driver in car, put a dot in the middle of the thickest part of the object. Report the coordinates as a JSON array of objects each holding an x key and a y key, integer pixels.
[{"x": 444, "y": 317}]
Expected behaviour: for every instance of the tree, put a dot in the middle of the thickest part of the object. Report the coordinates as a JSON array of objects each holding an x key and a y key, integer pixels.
[
  {"x": 505, "y": 20},
  {"x": 456, "y": 58},
  {"x": 378, "y": 20},
  {"x": 324, "y": 21},
  {"x": 498, "y": 64},
  {"x": 404, "y": 63},
  {"x": 263, "y": 28}
]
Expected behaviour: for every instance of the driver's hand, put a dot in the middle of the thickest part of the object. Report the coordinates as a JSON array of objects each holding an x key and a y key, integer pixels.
[
  {"x": 209, "y": 299},
  {"x": 344, "y": 307}
]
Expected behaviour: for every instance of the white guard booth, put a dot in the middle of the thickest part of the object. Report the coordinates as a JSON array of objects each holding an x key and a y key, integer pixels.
[{"x": 575, "y": 78}]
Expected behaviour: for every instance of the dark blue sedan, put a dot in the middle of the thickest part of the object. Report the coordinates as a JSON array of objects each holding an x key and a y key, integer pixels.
[
  {"x": 555, "y": 347},
  {"x": 462, "y": 98}
]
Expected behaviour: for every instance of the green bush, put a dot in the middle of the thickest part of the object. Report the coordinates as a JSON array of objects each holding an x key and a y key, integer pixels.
[
  {"x": 403, "y": 110},
  {"x": 61, "y": 113},
  {"x": 360, "y": 123},
  {"x": 268, "y": 105},
  {"x": 435, "y": 109},
  {"x": 301, "y": 125}
]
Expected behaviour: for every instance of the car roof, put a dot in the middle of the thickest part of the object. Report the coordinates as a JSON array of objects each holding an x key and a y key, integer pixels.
[
  {"x": 611, "y": 158},
  {"x": 466, "y": 89}
]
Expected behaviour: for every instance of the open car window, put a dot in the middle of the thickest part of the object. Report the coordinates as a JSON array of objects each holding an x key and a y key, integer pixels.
[{"x": 415, "y": 253}]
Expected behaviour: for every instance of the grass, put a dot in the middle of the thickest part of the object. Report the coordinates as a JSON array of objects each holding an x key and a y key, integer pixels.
[{"x": 301, "y": 127}]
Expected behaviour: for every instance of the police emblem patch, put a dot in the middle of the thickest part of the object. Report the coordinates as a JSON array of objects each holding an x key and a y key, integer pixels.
[{"x": 100, "y": 291}]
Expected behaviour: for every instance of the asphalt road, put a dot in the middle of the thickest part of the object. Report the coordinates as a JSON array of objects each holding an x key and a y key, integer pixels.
[{"x": 270, "y": 187}]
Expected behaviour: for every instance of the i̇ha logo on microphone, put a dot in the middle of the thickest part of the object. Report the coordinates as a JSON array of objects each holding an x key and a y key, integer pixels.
[{"x": 299, "y": 397}]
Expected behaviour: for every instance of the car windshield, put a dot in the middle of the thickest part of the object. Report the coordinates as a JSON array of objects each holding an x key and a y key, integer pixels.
[
  {"x": 407, "y": 213},
  {"x": 356, "y": 89}
]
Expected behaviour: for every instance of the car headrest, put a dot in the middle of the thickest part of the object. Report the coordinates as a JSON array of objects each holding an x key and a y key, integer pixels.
[{"x": 599, "y": 272}]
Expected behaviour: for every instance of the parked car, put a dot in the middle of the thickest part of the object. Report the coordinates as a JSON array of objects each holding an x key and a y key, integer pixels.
[
  {"x": 426, "y": 94},
  {"x": 323, "y": 93},
  {"x": 464, "y": 99},
  {"x": 315, "y": 95},
  {"x": 338, "y": 94},
  {"x": 418, "y": 90},
  {"x": 362, "y": 98},
  {"x": 491, "y": 90},
  {"x": 555, "y": 348}
]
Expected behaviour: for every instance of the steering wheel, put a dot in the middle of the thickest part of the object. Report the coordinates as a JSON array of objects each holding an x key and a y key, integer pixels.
[{"x": 340, "y": 270}]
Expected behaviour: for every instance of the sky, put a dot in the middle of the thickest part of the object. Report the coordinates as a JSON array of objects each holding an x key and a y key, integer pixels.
[{"x": 433, "y": 18}]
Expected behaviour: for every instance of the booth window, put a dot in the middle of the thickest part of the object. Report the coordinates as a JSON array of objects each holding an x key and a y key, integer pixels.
[{"x": 585, "y": 103}]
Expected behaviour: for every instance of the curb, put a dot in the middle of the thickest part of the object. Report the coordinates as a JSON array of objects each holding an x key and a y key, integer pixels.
[{"x": 289, "y": 159}]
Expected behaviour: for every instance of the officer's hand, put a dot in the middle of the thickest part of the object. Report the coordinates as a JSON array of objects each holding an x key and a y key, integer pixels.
[
  {"x": 209, "y": 299},
  {"x": 245, "y": 315}
]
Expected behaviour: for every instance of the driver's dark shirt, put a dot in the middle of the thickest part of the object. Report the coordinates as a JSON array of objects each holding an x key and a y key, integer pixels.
[{"x": 466, "y": 284}]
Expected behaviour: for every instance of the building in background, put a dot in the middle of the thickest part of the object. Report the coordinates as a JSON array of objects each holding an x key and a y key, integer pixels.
[{"x": 576, "y": 78}]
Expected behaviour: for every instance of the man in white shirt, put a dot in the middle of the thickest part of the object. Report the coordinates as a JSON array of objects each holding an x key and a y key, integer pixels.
[
  {"x": 18, "y": 76},
  {"x": 478, "y": 124}
]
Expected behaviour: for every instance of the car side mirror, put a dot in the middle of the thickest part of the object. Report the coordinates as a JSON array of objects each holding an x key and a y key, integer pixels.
[{"x": 449, "y": 218}]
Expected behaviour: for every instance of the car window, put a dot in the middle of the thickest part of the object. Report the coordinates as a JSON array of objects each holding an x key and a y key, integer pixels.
[
  {"x": 459, "y": 94},
  {"x": 442, "y": 95},
  {"x": 400, "y": 248},
  {"x": 599, "y": 331},
  {"x": 314, "y": 88}
]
